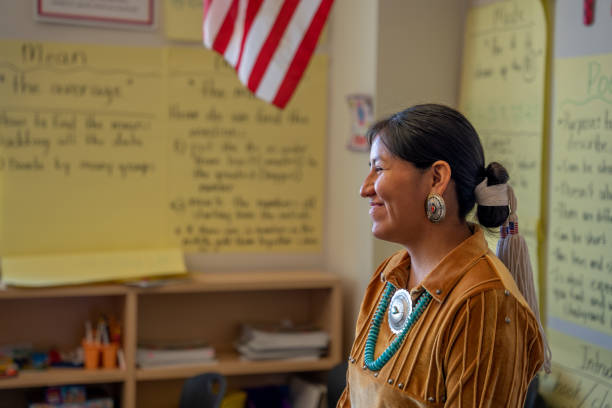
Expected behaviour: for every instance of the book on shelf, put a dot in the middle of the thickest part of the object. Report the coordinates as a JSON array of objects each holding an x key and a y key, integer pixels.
[
  {"x": 305, "y": 394},
  {"x": 263, "y": 342},
  {"x": 302, "y": 354},
  {"x": 156, "y": 354}
]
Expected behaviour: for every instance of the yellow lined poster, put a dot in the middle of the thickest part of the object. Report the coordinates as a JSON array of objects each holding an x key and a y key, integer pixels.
[
  {"x": 75, "y": 268},
  {"x": 83, "y": 148},
  {"x": 246, "y": 176},
  {"x": 502, "y": 94},
  {"x": 579, "y": 294},
  {"x": 118, "y": 150}
]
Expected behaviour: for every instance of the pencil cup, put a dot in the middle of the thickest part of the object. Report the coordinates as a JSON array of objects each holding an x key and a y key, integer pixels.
[
  {"x": 109, "y": 355},
  {"x": 91, "y": 353}
]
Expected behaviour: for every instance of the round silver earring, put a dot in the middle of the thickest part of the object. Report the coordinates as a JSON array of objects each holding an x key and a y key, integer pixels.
[{"x": 435, "y": 208}]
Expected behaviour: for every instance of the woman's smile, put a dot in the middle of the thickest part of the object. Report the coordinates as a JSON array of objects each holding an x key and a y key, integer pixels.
[{"x": 376, "y": 207}]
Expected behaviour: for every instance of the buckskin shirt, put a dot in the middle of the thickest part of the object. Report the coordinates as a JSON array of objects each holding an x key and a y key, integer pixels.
[{"x": 477, "y": 343}]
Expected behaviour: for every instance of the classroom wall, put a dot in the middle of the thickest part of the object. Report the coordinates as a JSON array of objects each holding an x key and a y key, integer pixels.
[
  {"x": 381, "y": 48},
  {"x": 418, "y": 63},
  {"x": 350, "y": 43}
]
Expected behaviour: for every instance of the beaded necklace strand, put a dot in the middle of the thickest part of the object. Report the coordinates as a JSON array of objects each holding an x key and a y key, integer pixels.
[{"x": 376, "y": 365}]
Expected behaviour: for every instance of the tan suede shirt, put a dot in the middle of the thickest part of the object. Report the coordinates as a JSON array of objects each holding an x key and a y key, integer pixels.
[{"x": 476, "y": 345}]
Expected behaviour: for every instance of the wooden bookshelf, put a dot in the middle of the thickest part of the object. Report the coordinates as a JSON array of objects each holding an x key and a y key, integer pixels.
[{"x": 203, "y": 306}]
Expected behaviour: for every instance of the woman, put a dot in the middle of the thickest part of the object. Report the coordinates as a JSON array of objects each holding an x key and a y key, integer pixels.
[{"x": 442, "y": 322}]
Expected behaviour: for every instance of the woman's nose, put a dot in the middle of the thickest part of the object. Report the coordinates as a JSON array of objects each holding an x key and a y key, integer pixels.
[{"x": 367, "y": 188}]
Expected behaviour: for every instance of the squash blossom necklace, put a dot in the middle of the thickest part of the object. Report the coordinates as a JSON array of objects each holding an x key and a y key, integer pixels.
[{"x": 401, "y": 318}]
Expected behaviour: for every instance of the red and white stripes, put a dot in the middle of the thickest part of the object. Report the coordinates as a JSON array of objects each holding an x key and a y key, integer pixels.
[{"x": 268, "y": 42}]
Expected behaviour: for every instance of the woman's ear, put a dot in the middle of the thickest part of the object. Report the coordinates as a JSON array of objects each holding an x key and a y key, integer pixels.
[{"x": 441, "y": 172}]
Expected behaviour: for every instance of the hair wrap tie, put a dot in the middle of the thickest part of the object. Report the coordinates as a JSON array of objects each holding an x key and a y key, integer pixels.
[{"x": 492, "y": 196}]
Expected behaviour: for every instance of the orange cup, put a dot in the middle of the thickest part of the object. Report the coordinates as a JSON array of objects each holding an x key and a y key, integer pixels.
[
  {"x": 109, "y": 355},
  {"x": 91, "y": 353}
]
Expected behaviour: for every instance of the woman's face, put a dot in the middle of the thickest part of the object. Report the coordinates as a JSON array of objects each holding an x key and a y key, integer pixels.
[{"x": 397, "y": 191}]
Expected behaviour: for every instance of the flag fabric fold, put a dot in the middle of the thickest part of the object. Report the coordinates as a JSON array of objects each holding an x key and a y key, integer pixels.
[{"x": 268, "y": 42}]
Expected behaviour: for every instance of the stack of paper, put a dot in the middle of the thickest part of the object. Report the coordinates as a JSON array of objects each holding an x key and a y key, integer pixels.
[
  {"x": 258, "y": 343},
  {"x": 165, "y": 354}
]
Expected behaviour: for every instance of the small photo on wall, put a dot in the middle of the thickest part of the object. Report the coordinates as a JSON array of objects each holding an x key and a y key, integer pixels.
[{"x": 361, "y": 118}]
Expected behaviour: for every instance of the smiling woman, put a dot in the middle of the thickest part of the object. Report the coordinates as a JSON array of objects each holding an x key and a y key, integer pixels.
[{"x": 455, "y": 314}]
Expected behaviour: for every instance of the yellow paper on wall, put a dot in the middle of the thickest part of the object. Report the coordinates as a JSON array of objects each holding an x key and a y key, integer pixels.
[
  {"x": 580, "y": 263},
  {"x": 579, "y": 290},
  {"x": 503, "y": 94},
  {"x": 246, "y": 176},
  {"x": 580, "y": 374},
  {"x": 82, "y": 143},
  {"x": 109, "y": 149},
  {"x": 183, "y": 20},
  {"x": 62, "y": 269}
]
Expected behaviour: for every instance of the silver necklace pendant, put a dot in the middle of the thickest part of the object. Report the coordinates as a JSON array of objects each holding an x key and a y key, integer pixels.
[{"x": 399, "y": 310}]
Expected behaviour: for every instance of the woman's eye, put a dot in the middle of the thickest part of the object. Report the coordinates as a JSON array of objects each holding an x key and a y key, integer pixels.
[{"x": 377, "y": 169}]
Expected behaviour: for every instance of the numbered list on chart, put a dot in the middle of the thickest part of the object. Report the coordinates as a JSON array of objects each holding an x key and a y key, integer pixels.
[{"x": 246, "y": 176}]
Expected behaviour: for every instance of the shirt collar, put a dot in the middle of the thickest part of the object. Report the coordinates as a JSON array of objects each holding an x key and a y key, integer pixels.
[{"x": 440, "y": 280}]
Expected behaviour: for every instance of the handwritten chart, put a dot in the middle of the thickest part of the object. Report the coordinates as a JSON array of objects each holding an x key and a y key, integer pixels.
[
  {"x": 502, "y": 94},
  {"x": 246, "y": 175},
  {"x": 579, "y": 291},
  {"x": 81, "y": 148},
  {"x": 120, "y": 149}
]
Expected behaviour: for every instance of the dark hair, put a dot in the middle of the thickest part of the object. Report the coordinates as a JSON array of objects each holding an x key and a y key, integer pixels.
[{"x": 426, "y": 133}]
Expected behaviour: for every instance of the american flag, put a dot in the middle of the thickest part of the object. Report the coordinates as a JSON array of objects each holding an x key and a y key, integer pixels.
[{"x": 268, "y": 42}]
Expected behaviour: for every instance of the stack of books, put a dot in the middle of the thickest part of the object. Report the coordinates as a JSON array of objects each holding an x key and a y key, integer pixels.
[
  {"x": 283, "y": 341},
  {"x": 157, "y": 354}
]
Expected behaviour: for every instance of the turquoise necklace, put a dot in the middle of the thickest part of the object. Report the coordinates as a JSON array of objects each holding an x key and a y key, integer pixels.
[{"x": 390, "y": 351}]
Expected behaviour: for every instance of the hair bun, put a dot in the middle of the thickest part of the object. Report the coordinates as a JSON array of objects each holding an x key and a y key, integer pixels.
[
  {"x": 489, "y": 216},
  {"x": 496, "y": 174}
]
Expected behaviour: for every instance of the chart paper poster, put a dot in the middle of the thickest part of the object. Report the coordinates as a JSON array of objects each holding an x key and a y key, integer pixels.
[
  {"x": 110, "y": 149},
  {"x": 579, "y": 295},
  {"x": 246, "y": 176},
  {"x": 502, "y": 94},
  {"x": 82, "y": 148},
  {"x": 62, "y": 269}
]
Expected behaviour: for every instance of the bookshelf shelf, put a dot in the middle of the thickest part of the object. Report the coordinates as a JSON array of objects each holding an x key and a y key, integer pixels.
[
  {"x": 203, "y": 306},
  {"x": 231, "y": 364},
  {"x": 59, "y": 376}
]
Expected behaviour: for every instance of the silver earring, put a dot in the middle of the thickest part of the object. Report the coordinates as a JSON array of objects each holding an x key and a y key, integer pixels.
[{"x": 435, "y": 208}]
